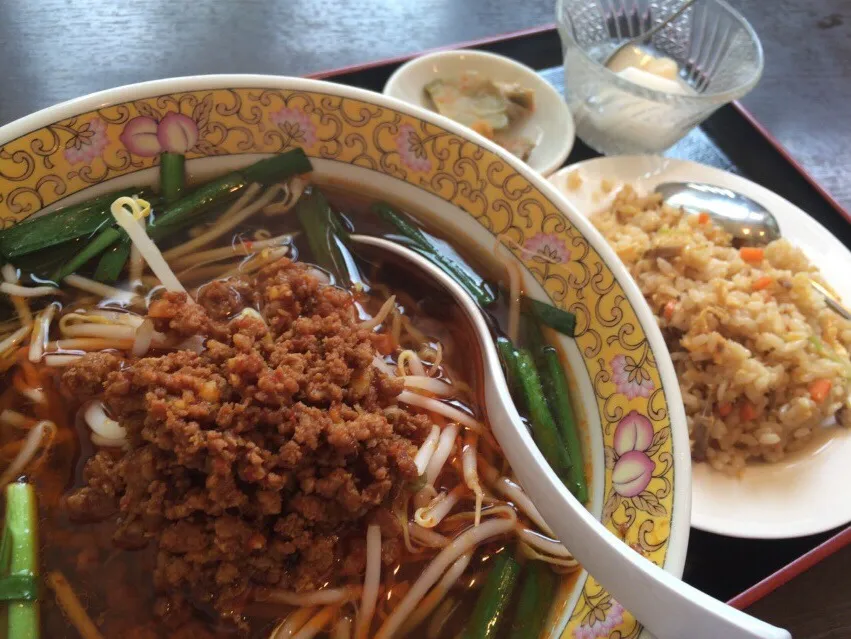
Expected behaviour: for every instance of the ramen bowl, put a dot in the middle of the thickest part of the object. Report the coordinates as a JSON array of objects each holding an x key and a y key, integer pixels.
[{"x": 633, "y": 427}]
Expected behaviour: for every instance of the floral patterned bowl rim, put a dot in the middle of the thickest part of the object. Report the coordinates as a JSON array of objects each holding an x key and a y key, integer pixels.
[{"x": 635, "y": 422}]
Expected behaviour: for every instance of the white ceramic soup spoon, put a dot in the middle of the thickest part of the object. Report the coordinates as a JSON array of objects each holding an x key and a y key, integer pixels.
[{"x": 667, "y": 607}]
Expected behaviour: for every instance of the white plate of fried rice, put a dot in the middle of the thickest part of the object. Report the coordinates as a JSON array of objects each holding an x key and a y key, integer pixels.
[{"x": 763, "y": 364}]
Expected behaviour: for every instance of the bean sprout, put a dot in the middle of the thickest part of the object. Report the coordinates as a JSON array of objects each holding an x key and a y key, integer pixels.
[
  {"x": 449, "y": 412},
  {"x": 293, "y": 623},
  {"x": 241, "y": 248},
  {"x": 16, "y": 419},
  {"x": 85, "y": 344},
  {"x": 379, "y": 317},
  {"x": 425, "y": 452},
  {"x": 465, "y": 542},
  {"x": 28, "y": 451},
  {"x": 471, "y": 476},
  {"x": 429, "y": 384},
  {"x": 383, "y": 366},
  {"x": 427, "y": 537},
  {"x": 544, "y": 544},
  {"x": 431, "y": 515},
  {"x": 438, "y": 593},
  {"x": 412, "y": 360},
  {"x": 98, "y": 288},
  {"x": 128, "y": 221},
  {"x": 424, "y": 496},
  {"x": 97, "y": 329},
  {"x": 35, "y": 395},
  {"x": 515, "y": 494},
  {"x": 14, "y": 339},
  {"x": 28, "y": 291},
  {"x": 55, "y": 360},
  {"x": 71, "y": 606},
  {"x": 41, "y": 331},
  {"x": 317, "y": 623},
  {"x": 441, "y": 617},
  {"x": 136, "y": 263},
  {"x": 143, "y": 338},
  {"x": 491, "y": 511},
  {"x": 228, "y": 221},
  {"x": 371, "y": 582},
  {"x": 100, "y": 316},
  {"x": 531, "y": 553},
  {"x": 445, "y": 445},
  {"x": 324, "y": 597},
  {"x": 106, "y": 442},
  {"x": 97, "y": 419},
  {"x": 294, "y": 190},
  {"x": 514, "y": 283},
  {"x": 396, "y": 327},
  {"x": 257, "y": 261},
  {"x": 10, "y": 274},
  {"x": 342, "y": 629},
  {"x": 438, "y": 357}
]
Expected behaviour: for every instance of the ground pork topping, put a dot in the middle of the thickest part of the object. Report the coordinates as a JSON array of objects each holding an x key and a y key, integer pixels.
[{"x": 259, "y": 460}]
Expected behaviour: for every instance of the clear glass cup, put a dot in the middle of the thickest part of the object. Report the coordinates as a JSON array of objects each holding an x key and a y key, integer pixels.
[{"x": 718, "y": 55}]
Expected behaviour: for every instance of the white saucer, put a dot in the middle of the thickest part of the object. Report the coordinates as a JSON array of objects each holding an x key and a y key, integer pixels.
[
  {"x": 807, "y": 493},
  {"x": 551, "y": 124}
]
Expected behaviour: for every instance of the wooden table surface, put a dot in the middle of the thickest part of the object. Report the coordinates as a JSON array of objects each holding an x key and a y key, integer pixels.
[{"x": 54, "y": 50}]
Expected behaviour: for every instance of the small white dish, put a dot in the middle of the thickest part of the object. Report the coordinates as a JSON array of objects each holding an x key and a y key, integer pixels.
[
  {"x": 550, "y": 125},
  {"x": 797, "y": 496}
]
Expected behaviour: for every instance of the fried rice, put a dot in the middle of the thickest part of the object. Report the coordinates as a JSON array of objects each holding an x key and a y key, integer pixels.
[{"x": 762, "y": 361}]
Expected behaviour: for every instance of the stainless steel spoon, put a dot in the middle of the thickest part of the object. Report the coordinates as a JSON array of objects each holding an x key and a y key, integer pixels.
[
  {"x": 643, "y": 37},
  {"x": 667, "y": 607},
  {"x": 737, "y": 214}
]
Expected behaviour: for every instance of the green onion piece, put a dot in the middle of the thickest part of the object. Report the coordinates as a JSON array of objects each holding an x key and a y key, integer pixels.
[
  {"x": 185, "y": 211},
  {"x": 512, "y": 374},
  {"x": 19, "y": 588},
  {"x": 112, "y": 262},
  {"x": 19, "y": 556},
  {"x": 339, "y": 229},
  {"x": 278, "y": 167},
  {"x": 544, "y": 429},
  {"x": 493, "y": 602},
  {"x": 175, "y": 217},
  {"x": 60, "y": 226},
  {"x": 476, "y": 287},
  {"x": 557, "y": 391},
  {"x": 562, "y": 321},
  {"x": 527, "y": 391},
  {"x": 406, "y": 228},
  {"x": 318, "y": 221},
  {"x": 536, "y": 596},
  {"x": 172, "y": 175},
  {"x": 102, "y": 241},
  {"x": 44, "y": 263}
]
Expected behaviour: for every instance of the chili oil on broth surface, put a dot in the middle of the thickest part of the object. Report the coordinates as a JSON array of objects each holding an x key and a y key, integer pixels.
[{"x": 115, "y": 583}]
